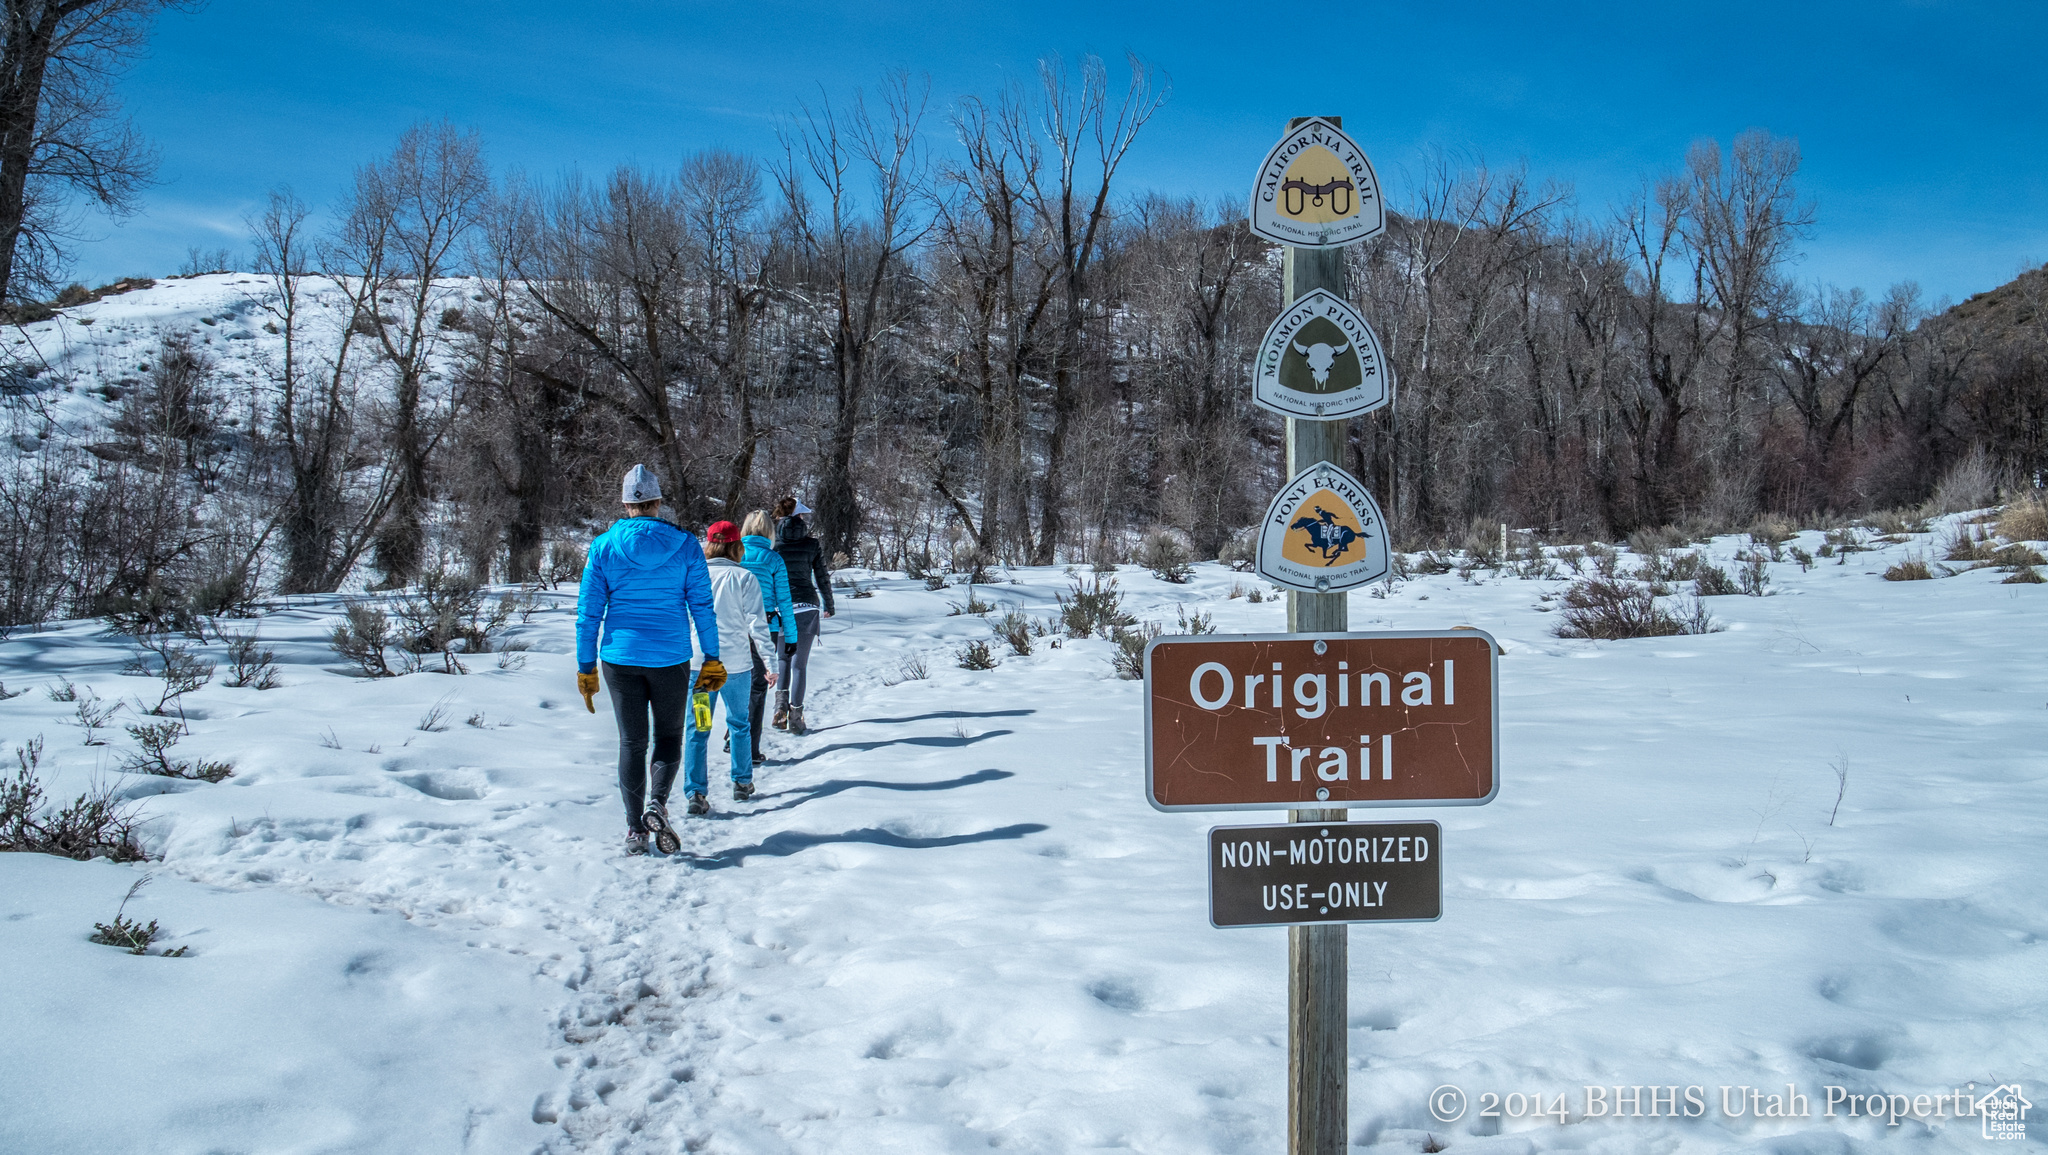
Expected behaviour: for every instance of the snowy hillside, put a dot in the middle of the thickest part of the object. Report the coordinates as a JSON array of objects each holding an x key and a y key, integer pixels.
[
  {"x": 67, "y": 363},
  {"x": 951, "y": 921}
]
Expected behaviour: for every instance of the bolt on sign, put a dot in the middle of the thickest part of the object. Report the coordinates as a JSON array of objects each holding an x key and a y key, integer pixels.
[
  {"x": 1323, "y": 532},
  {"x": 1317, "y": 190},
  {"x": 1300, "y": 874},
  {"x": 1274, "y": 721},
  {"x": 1322, "y": 361}
]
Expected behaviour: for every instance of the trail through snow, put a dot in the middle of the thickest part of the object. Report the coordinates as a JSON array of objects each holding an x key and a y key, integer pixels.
[{"x": 950, "y": 922}]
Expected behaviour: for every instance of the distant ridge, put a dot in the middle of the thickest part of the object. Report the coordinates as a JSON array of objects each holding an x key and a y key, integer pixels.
[{"x": 2001, "y": 313}]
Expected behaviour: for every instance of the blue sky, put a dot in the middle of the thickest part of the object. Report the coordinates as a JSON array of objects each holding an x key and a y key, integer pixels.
[{"x": 1921, "y": 123}]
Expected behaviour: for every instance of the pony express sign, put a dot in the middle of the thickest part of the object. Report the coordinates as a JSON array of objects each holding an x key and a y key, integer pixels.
[
  {"x": 1304, "y": 873},
  {"x": 1320, "y": 360},
  {"x": 1317, "y": 190},
  {"x": 1323, "y": 533},
  {"x": 1273, "y": 721}
]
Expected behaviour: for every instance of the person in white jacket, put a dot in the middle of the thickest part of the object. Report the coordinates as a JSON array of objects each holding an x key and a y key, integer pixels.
[{"x": 736, "y": 597}]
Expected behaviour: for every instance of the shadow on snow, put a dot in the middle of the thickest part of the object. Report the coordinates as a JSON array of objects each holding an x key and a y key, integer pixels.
[
  {"x": 800, "y": 795},
  {"x": 790, "y": 842},
  {"x": 923, "y": 718},
  {"x": 943, "y": 741}
]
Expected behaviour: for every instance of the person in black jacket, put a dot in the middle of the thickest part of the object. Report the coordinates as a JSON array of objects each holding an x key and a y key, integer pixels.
[{"x": 810, "y": 591}]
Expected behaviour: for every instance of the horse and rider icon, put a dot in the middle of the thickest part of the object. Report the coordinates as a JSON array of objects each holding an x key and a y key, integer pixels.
[{"x": 1330, "y": 538}]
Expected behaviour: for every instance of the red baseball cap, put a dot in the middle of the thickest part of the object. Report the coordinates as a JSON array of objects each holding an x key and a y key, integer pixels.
[{"x": 722, "y": 531}]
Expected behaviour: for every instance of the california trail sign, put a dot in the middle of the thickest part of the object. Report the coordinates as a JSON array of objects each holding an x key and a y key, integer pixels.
[
  {"x": 1322, "y": 361},
  {"x": 1317, "y": 190},
  {"x": 1323, "y": 533}
]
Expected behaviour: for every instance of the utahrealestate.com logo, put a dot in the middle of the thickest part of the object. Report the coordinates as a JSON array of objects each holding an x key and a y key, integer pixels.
[{"x": 2004, "y": 1113}]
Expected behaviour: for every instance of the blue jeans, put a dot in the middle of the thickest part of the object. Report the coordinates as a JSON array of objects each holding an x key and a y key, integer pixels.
[{"x": 697, "y": 743}]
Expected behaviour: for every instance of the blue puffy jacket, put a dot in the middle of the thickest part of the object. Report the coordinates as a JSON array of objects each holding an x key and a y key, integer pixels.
[
  {"x": 645, "y": 582},
  {"x": 766, "y": 565}
]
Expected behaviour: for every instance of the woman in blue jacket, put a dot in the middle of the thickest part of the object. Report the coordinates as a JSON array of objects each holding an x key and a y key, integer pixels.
[
  {"x": 645, "y": 584},
  {"x": 766, "y": 565}
]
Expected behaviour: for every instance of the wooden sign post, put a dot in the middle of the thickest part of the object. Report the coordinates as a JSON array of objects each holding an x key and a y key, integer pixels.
[
  {"x": 1318, "y": 957},
  {"x": 1315, "y": 193}
]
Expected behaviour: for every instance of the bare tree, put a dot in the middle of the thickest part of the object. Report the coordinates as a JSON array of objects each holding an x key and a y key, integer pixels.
[
  {"x": 719, "y": 195},
  {"x": 1088, "y": 136},
  {"x": 610, "y": 264},
  {"x": 62, "y": 135},
  {"x": 399, "y": 238},
  {"x": 325, "y": 532},
  {"x": 996, "y": 272},
  {"x": 859, "y": 255}
]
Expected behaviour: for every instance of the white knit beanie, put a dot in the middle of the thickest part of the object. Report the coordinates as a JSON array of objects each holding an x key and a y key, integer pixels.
[{"x": 640, "y": 486}]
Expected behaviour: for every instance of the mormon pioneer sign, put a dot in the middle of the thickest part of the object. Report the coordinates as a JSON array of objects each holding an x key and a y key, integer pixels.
[
  {"x": 1317, "y": 190},
  {"x": 1323, "y": 533},
  {"x": 1320, "y": 360},
  {"x": 1270, "y": 721}
]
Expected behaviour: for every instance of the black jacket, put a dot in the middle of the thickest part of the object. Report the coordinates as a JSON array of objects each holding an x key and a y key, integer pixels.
[{"x": 809, "y": 581}]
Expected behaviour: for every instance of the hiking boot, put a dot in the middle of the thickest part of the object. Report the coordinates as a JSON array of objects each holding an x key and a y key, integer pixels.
[
  {"x": 760, "y": 760},
  {"x": 742, "y": 791},
  {"x": 796, "y": 720},
  {"x": 636, "y": 842},
  {"x": 699, "y": 805},
  {"x": 781, "y": 721},
  {"x": 656, "y": 821}
]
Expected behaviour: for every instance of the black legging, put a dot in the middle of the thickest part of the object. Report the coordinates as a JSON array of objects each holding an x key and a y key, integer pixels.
[
  {"x": 757, "y": 697},
  {"x": 634, "y": 689}
]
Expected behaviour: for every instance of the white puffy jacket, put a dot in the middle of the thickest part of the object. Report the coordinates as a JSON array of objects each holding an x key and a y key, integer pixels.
[{"x": 737, "y": 598}]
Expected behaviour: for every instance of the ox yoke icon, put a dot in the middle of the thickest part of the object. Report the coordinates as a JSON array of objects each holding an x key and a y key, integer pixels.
[{"x": 1326, "y": 535}]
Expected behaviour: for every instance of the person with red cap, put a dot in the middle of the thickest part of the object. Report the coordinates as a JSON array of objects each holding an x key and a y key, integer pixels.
[{"x": 736, "y": 600}]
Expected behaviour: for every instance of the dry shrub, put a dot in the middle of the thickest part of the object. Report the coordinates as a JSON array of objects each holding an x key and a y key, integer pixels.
[
  {"x": 976, "y": 655},
  {"x": 1772, "y": 529},
  {"x": 2025, "y": 520},
  {"x": 1163, "y": 553},
  {"x": 2028, "y": 576},
  {"x": 1713, "y": 581},
  {"x": 1897, "y": 522},
  {"x": 1129, "y": 659},
  {"x": 1240, "y": 552},
  {"x": 1971, "y": 483},
  {"x": 1015, "y": 628},
  {"x": 1616, "y": 608},
  {"x": 95, "y": 825},
  {"x": 1651, "y": 541},
  {"x": 1913, "y": 569},
  {"x": 1094, "y": 610},
  {"x": 1967, "y": 544},
  {"x": 1482, "y": 543}
]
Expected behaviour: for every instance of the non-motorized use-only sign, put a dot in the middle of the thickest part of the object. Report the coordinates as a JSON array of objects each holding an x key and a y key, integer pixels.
[
  {"x": 1275, "y": 721},
  {"x": 1320, "y": 360},
  {"x": 1325, "y": 872},
  {"x": 1317, "y": 190},
  {"x": 1323, "y": 532}
]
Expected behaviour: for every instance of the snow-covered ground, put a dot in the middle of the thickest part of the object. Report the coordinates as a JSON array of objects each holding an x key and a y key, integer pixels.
[{"x": 951, "y": 922}]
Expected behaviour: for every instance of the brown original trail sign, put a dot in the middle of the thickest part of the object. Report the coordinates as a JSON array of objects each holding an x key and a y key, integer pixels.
[
  {"x": 1304, "y": 873},
  {"x": 1278, "y": 721}
]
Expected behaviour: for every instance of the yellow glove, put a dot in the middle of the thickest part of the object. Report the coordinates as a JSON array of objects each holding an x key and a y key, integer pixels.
[
  {"x": 712, "y": 676},
  {"x": 586, "y": 685}
]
